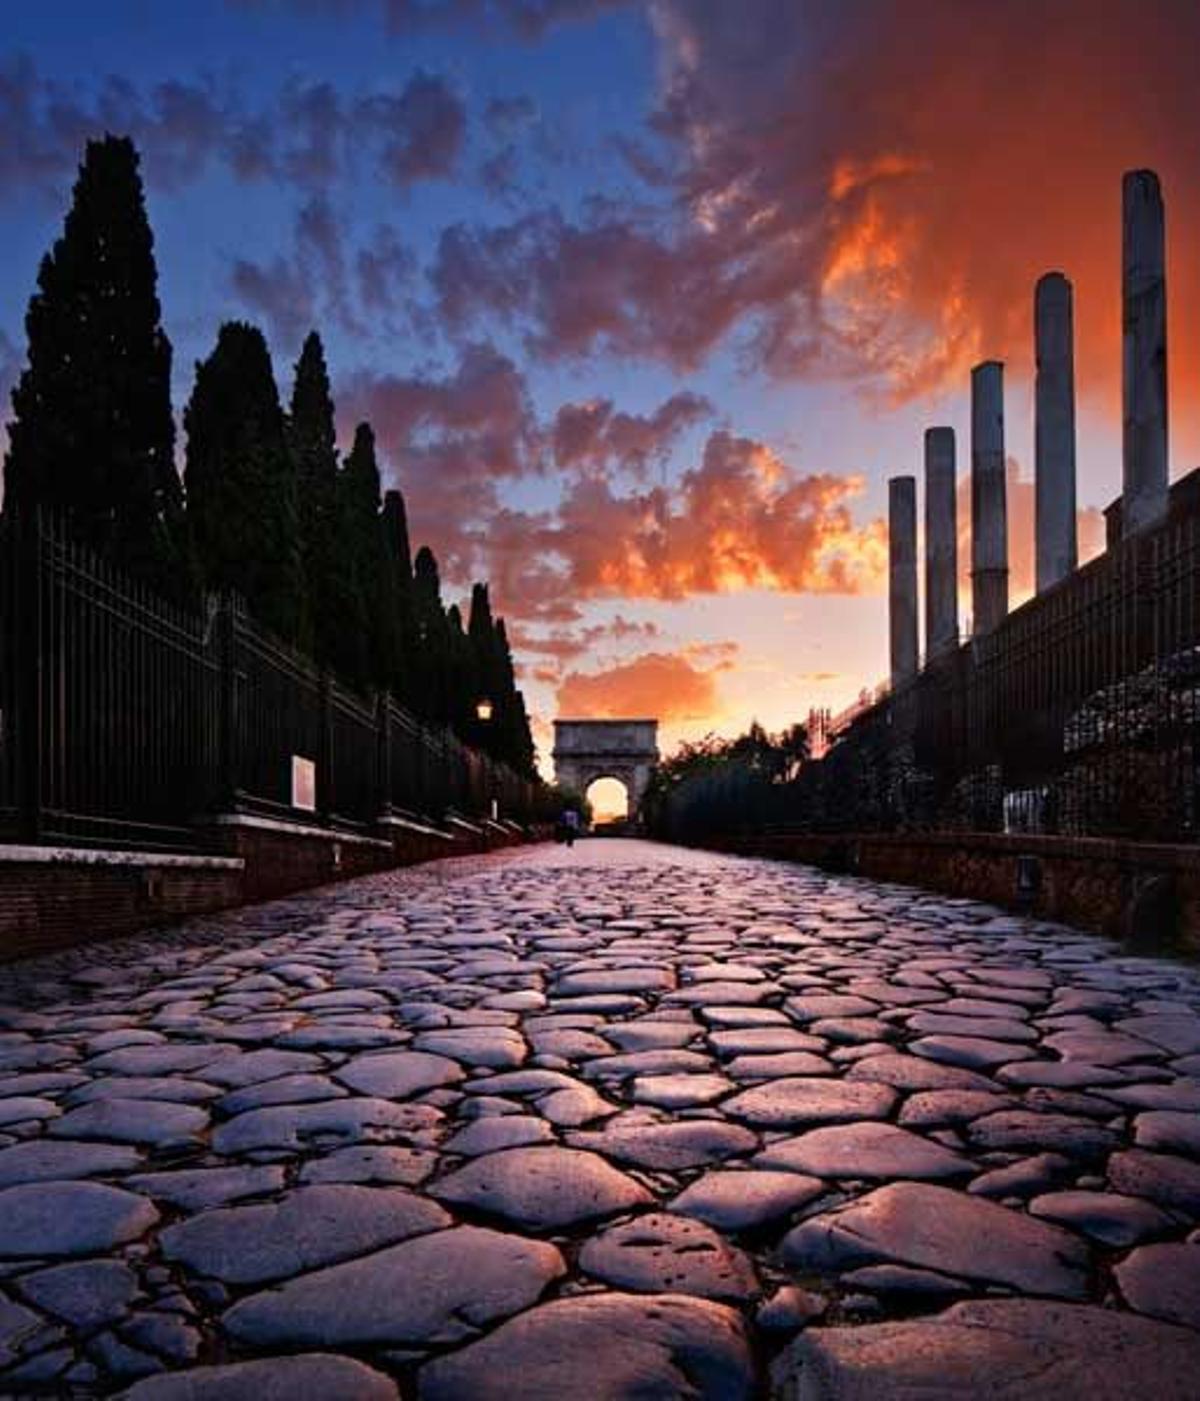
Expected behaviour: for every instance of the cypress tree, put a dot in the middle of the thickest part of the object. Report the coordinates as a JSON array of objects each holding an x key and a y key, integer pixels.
[
  {"x": 361, "y": 542},
  {"x": 312, "y": 442},
  {"x": 484, "y": 679},
  {"x": 241, "y": 497},
  {"x": 461, "y": 688},
  {"x": 514, "y": 738},
  {"x": 431, "y": 640},
  {"x": 399, "y": 586},
  {"x": 92, "y": 435}
]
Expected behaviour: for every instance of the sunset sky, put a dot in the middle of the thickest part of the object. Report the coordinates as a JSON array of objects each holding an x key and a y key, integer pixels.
[{"x": 645, "y": 299}]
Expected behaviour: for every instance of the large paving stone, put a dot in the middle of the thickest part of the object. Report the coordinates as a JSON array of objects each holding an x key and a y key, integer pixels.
[
  {"x": 936, "y": 1228},
  {"x": 291, "y": 1128},
  {"x": 373, "y": 1163},
  {"x": 792, "y": 1101},
  {"x": 970, "y": 1052},
  {"x": 69, "y": 1218},
  {"x": 313, "y": 1376},
  {"x": 543, "y": 1188},
  {"x": 1176, "y": 1032},
  {"x": 434, "y": 1290},
  {"x": 1170, "y": 1181},
  {"x": 661, "y": 1253},
  {"x": 602, "y": 980},
  {"x": 606, "y": 1347},
  {"x": 1163, "y": 1280},
  {"x": 250, "y": 1067},
  {"x": 83, "y": 1293},
  {"x": 672, "y": 1146},
  {"x": 739, "y": 1201},
  {"x": 45, "y": 1160},
  {"x": 906, "y": 1072},
  {"x": 495, "y": 1046},
  {"x": 1008, "y": 1350},
  {"x": 1016, "y": 1129},
  {"x": 197, "y": 1189},
  {"x": 305, "y": 1229},
  {"x": 1108, "y": 1217},
  {"x": 155, "y": 1123},
  {"x": 1163, "y": 1129},
  {"x": 399, "y": 1074},
  {"x": 864, "y": 1150}
]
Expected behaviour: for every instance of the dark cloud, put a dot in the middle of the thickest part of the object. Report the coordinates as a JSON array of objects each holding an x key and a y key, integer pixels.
[
  {"x": 856, "y": 190},
  {"x": 422, "y": 130},
  {"x": 594, "y": 436},
  {"x": 310, "y": 136},
  {"x": 528, "y": 19},
  {"x": 505, "y": 116},
  {"x": 322, "y": 278}
]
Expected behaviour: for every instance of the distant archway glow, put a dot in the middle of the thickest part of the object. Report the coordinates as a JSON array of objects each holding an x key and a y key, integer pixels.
[{"x": 609, "y": 800}]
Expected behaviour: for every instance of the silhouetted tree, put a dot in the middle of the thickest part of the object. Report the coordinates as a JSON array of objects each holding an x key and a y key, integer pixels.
[
  {"x": 312, "y": 442},
  {"x": 241, "y": 496},
  {"x": 399, "y": 584},
  {"x": 430, "y": 660},
  {"x": 92, "y": 435},
  {"x": 361, "y": 542}
]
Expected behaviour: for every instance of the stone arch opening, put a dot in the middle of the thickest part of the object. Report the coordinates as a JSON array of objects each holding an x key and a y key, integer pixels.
[
  {"x": 625, "y": 750},
  {"x": 609, "y": 798}
]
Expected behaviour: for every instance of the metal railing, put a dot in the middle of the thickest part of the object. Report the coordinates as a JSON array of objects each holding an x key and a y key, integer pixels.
[
  {"x": 127, "y": 720},
  {"x": 1087, "y": 695}
]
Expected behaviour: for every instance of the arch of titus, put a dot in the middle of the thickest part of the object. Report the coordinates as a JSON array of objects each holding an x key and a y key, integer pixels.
[{"x": 627, "y": 750}]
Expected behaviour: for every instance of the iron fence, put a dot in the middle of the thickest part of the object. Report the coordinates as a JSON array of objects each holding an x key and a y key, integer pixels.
[
  {"x": 1079, "y": 714},
  {"x": 126, "y": 720}
]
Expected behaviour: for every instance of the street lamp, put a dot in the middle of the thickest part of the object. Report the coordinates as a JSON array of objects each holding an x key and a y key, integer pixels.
[{"x": 483, "y": 713}]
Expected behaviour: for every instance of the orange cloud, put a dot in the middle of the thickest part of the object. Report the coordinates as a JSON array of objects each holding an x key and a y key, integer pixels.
[
  {"x": 740, "y": 520},
  {"x": 871, "y": 190},
  {"x": 665, "y": 685}
]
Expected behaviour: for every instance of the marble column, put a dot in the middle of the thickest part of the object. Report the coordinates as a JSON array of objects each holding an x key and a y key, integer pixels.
[
  {"x": 1054, "y": 430},
  {"x": 902, "y": 577},
  {"x": 941, "y": 542},
  {"x": 1144, "y": 327},
  {"x": 989, "y": 508}
]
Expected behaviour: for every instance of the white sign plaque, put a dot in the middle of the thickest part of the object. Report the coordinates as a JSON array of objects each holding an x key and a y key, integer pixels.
[{"x": 304, "y": 783}]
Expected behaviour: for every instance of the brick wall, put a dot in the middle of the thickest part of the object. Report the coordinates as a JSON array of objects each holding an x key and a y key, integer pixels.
[
  {"x": 66, "y": 898},
  {"x": 1143, "y": 892},
  {"x": 53, "y": 905}
]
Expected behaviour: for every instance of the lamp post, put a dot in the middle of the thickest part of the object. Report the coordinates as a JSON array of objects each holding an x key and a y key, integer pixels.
[{"x": 483, "y": 713}]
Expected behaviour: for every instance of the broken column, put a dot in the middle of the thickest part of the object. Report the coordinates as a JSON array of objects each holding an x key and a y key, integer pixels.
[
  {"x": 1144, "y": 327},
  {"x": 941, "y": 542},
  {"x": 902, "y": 577},
  {"x": 989, "y": 511},
  {"x": 1054, "y": 430}
]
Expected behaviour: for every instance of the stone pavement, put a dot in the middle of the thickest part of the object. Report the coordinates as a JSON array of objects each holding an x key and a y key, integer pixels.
[{"x": 619, "y": 1122}]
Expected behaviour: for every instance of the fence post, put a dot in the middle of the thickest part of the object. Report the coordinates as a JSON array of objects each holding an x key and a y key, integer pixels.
[
  {"x": 326, "y": 796},
  {"x": 27, "y": 734},
  {"x": 227, "y": 716},
  {"x": 383, "y": 776}
]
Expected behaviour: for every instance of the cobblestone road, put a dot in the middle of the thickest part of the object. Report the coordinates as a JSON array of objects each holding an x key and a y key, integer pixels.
[{"x": 622, "y": 1122}]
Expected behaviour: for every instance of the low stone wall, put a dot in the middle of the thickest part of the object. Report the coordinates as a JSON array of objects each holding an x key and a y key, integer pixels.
[
  {"x": 1143, "y": 892},
  {"x": 283, "y": 857},
  {"x": 55, "y": 897}
]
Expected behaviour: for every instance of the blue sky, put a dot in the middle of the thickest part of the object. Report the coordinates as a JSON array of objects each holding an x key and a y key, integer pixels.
[{"x": 645, "y": 298}]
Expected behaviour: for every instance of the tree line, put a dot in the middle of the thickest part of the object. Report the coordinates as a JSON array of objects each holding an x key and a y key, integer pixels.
[{"x": 267, "y": 506}]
